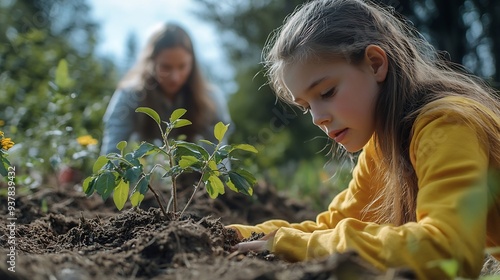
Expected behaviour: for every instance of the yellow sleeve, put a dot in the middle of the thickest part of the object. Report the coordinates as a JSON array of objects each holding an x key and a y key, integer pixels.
[
  {"x": 348, "y": 203},
  {"x": 451, "y": 165}
]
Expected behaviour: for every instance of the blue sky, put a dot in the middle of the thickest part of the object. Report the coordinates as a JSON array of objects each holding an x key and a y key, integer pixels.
[{"x": 118, "y": 18}]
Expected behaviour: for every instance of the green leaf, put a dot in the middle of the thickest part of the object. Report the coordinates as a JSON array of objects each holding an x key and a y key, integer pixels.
[
  {"x": 179, "y": 152},
  {"x": 91, "y": 186},
  {"x": 214, "y": 186},
  {"x": 5, "y": 161},
  {"x": 449, "y": 266},
  {"x": 243, "y": 181},
  {"x": 150, "y": 112},
  {"x": 143, "y": 149},
  {"x": 213, "y": 168},
  {"x": 247, "y": 175},
  {"x": 193, "y": 150},
  {"x": 136, "y": 198},
  {"x": 232, "y": 186},
  {"x": 130, "y": 157},
  {"x": 62, "y": 79},
  {"x": 181, "y": 123},
  {"x": 121, "y": 146},
  {"x": 132, "y": 174},
  {"x": 220, "y": 130},
  {"x": 120, "y": 194},
  {"x": 105, "y": 184},
  {"x": 86, "y": 184},
  {"x": 207, "y": 142},
  {"x": 3, "y": 166},
  {"x": 222, "y": 153},
  {"x": 187, "y": 161},
  {"x": 174, "y": 170},
  {"x": 244, "y": 147},
  {"x": 99, "y": 163},
  {"x": 143, "y": 183},
  {"x": 177, "y": 114}
]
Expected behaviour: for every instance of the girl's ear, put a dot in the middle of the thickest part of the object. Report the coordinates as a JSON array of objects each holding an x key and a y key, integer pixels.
[{"x": 376, "y": 58}]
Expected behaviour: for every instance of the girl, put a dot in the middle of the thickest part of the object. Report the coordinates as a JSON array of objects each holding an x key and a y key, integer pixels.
[
  {"x": 166, "y": 77},
  {"x": 426, "y": 186}
]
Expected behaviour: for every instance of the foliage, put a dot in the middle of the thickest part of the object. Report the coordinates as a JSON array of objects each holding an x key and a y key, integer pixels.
[
  {"x": 117, "y": 172},
  {"x": 451, "y": 267},
  {"x": 464, "y": 29},
  {"x": 282, "y": 134},
  {"x": 5, "y": 144},
  {"x": 312, "y": 181},
  {"x": 42, "y": 45}
]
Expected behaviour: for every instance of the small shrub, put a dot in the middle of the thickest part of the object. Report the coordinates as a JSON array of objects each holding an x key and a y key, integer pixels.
[{"x": 117, "y": 173}]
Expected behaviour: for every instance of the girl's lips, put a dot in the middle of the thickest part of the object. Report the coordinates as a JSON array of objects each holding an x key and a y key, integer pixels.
[{"x": 338, "y": 135}]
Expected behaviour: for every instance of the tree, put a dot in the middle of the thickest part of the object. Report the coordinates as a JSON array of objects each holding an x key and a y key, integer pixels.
[
  {"x": 463, "y": 30},
  {"x": 131, "y": 50},
  {"x": 41, "y": 115},
  {"x": 274, "y": 128}
]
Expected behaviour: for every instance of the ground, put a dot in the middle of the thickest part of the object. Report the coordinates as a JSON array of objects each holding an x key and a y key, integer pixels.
[{"x": 62, "y": 234}]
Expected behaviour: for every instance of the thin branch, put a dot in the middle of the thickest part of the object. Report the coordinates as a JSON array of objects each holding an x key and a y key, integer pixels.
[
  {"x": 201, "y": 178},
  {"x": 192, "y": 195},
  {"x": 157, "y": 197}
]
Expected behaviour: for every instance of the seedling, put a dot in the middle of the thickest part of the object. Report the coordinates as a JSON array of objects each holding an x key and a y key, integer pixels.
[{"x": 117, "y": 173}]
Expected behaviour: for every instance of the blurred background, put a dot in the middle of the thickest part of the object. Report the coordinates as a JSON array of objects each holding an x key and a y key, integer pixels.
[{"x": 60, "y": 61}]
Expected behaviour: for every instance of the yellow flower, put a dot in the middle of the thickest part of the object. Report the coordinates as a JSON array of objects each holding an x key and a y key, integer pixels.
[
  {"x": 6, "y": 143},
  {"x": 1, "y": 133},
  {"x": 86, "y": 140},
  {"x": 2, "y": 122}
]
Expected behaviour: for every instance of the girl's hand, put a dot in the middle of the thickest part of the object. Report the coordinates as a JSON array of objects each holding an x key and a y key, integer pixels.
[{"x": 263, "y": 244}]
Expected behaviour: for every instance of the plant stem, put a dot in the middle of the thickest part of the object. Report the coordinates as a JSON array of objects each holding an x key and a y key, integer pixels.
[
  {"x": 192, "y": 195},
  {"x": 174, "y": 193},
  {"x": 171, "y": 162},
  {"x": 201, "y": 179},
  {"x": 157, "y": 197}
]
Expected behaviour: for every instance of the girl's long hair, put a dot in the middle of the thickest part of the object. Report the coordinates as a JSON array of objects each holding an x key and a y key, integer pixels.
[
  {"x": 333, "y": 29},
  {"x": 141, "y": 78}
]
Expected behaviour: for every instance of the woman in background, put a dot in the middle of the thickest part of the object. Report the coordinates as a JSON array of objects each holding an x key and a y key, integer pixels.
[{"x": 166, "y": 77}]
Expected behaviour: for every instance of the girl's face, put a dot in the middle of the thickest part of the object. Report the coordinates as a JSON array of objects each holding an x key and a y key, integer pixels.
[
  {"x": 341, "y": 98},
  {"x": 172, "y": 69}
]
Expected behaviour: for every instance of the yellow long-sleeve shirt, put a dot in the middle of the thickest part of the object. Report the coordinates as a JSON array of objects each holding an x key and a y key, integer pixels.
[{"x": 458, "y": 202}]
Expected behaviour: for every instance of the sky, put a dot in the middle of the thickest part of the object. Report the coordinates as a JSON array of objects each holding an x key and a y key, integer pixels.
[{"x": 119, "y": 18}]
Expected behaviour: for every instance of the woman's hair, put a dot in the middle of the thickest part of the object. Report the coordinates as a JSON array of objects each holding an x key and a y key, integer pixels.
[
  {"x": 141, "y": 77},
  {"x": 417, "y": 75}
]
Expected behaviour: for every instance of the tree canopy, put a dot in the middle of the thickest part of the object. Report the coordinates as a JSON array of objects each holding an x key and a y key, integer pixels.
[
  {"x": 463, "y": 30},
  {"x": 37, "y": 111}
]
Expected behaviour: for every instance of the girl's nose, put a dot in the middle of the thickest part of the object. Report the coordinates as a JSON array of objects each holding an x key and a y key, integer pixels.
[
  {"x": 174, "y": 75},
  {"x": 320, "y": 118}
]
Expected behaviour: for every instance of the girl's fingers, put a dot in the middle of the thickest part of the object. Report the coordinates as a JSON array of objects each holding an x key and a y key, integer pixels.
[
  {"x": 255, "y": 246},
  {"x": 269, "y": 235}
]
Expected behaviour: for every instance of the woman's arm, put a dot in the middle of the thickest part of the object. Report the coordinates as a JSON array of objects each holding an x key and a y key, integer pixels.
[
  {"x": 221, "y": 115},
  {"x": 119, "y": 119}
]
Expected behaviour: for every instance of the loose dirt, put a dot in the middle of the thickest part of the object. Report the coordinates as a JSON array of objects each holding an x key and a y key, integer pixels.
[{"x": 62, "y": 234}]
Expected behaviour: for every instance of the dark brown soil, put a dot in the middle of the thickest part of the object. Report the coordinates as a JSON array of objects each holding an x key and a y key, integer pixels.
[{"x": 62, "y": 234}]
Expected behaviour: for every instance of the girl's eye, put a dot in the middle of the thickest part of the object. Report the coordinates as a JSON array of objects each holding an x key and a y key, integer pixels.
[{"x": 328, "y": 93}]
